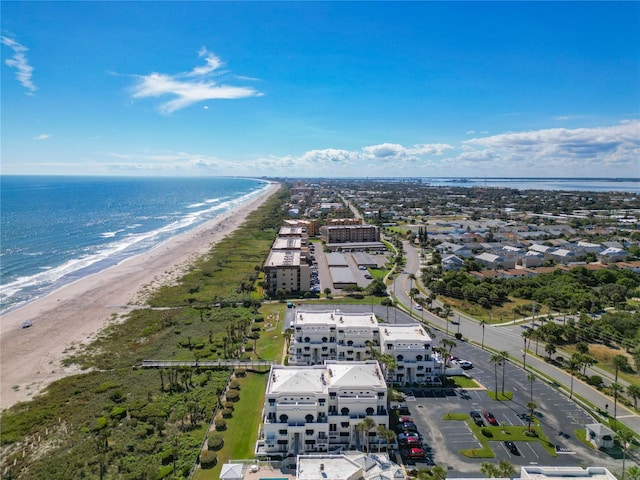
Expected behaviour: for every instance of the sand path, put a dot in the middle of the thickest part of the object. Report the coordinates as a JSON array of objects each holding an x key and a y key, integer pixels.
[{"x": 75, "y": 314}]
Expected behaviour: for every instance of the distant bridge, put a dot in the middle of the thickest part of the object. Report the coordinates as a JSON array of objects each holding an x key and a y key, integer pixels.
[{"x": 207, "y": 363}]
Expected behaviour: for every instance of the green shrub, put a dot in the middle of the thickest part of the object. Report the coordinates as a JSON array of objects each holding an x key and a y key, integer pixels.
[
  {"x": 228, "y": 405},
  {"x": 595, "y": 380},
  {"x": 240, "y": 372},
  {"x": 234, "y": 385},
  {"x": 106, "y": 386},
  {"x": 101, "y": 423},
  {"x": 164, "y": 472},
  {"x": 227, "y": 412},
  {"x": 118, "y": 412},
  {"x": 208, "y": 459},
  {"x": 215, "y": 441},
  {"x": 486, "y": 432},
  {"x": 221, "y": 424},
  {"x": 233, "y": 395},
  {"x": 166, "y": 457}
]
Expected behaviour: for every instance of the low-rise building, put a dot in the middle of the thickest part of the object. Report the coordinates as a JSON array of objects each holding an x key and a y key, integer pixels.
[
  {"x": 317, "y": 408},
  {"x": 287, "y": 271},
  {"x": 319, "y": 336}
]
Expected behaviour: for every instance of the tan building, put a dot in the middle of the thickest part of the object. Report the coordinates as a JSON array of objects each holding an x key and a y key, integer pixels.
[
  {"x": 286, "y": 270},
  {"x": 350, "y": 234}
]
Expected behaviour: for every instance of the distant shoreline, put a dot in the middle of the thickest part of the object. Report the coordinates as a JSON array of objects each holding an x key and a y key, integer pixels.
[{"x": 75, "y": 313}]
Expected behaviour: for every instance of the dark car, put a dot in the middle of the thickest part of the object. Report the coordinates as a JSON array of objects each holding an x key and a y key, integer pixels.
[
  {"x": 477, "y": 418},
  {"x": 512, "y": 448},
  {"x": 490, "y": 418},
  {"x": 413, "y": 453},
  {"x": 406, "y": 427}
]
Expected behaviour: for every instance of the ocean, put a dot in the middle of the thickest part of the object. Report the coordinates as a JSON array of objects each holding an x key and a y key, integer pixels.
[
  {"x": 630, "y": 185},
  {"x": 56, "y": 230}
]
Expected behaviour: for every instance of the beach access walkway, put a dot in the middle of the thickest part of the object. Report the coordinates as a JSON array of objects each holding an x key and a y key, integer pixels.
[{"x": 207, "y": 364}]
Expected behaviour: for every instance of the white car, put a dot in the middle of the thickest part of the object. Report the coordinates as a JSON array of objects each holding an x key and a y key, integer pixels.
[
  {"x": 465, "y": 364},
  {"x": 417, "y": 306}
]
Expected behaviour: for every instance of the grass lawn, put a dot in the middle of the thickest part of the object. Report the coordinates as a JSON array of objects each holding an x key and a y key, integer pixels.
[
  {"x": 463, "y": 381},
  {"x": 501, "y": 396},
  {"x": 242, "y": 429}
]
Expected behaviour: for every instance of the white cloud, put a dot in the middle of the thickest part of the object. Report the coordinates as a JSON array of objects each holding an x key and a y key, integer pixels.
[
  {"x": 560, "y": 150},
  {"x": 43, "y": 136},
  {"x": 190, "y": 87},
  {"x": 19, "y": 61}
]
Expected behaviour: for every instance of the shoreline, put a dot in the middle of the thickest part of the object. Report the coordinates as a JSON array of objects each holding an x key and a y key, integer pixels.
[{"x": 74, "y": 314}]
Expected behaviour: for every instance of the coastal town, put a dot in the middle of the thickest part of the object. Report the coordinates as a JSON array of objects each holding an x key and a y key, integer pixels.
[
  {"x": 386, "y": 333},
  {"x": 315, "y": 424}
]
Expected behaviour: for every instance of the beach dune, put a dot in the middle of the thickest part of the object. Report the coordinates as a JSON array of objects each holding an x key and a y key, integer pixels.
[{"x": 30, "y": 358}]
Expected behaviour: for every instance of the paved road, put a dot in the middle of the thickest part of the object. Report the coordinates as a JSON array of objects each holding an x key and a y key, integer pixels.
[{"x": 509, "y": 339}]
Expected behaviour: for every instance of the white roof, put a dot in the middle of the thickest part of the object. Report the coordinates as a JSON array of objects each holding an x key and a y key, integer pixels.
[
  {"x": 355, "y": 374},
  {"x": 407, "y": 332},
  {"x": 231, "y": 471},
  {"x": 281, "y": 258},
  {"x": 324, "y": 467},
  {"x": 335, "y": 318},
  {"x": 304, "y": 379}
]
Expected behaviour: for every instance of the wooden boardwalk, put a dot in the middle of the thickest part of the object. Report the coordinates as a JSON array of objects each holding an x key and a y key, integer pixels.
[{"x": 207, "y": 364}]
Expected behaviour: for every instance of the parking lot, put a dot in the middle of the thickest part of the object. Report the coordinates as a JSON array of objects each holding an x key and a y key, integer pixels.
[{"x": 559, "y": 418}]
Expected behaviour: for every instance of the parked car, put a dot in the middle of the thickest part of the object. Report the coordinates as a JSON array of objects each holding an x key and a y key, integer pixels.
[
  {"x": 406, "y": 427},
  {"x": 409, "y": 439},
  {"x": 465, "y": 364},
  {"x": 414, "y": 453},
  {"x": 512, "y": 448},
  {"x": 368, "y": 277},
  {"x": 490, "y": 418},
  {"x": 477, "y": 418},
  {"x": 405, "y": 419}
]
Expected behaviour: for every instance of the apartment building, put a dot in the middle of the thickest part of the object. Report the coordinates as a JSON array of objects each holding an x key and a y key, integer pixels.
[
  {"x": 319, "y": 336},
  {"x": 287, "y": 270},
  {"x": 350, "y": 233},
  {"x": 412, "y": 349},
  {"x": 316, "y": 408}
]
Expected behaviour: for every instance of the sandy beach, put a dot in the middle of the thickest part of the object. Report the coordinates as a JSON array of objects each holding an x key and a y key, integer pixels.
[{"x": 74, "y": 314}]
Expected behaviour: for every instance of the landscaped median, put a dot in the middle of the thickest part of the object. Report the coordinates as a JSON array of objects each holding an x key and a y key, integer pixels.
[{"x": 511, "y": 433}]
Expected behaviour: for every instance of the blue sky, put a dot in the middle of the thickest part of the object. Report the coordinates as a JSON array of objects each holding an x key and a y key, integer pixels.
[{"x": 337, "y": 89}]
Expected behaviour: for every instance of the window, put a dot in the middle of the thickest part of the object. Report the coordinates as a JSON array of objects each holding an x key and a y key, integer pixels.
[
  {"x": 272, "y": 402},
  {"x": 284, "y": 418},
  {"x": 400, "y": 358},
  {"x": 309, "y": 432},
  {"x": 333, "y": 427},
  {"x": 369, "y": 411},
  {"x": 282, "y": 432},
  {"x": 324, "y": 339},
  {"x": 309, "y": 418},
  {"x": 344, "y": 411},
  {"x": 419, "y": 358},
  {"x": 307, "y": 339}
]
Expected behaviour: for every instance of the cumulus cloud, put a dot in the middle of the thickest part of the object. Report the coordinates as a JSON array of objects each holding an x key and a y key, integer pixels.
[
  {"x": 190, "y": 87},
  {"x": 560, "y": 147},
  {"x": 24, "y": 71},
  {"x": 43, "y": 136}
]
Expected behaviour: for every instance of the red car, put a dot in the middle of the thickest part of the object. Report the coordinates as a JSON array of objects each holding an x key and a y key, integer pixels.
[
  {"x": 414, "y": 454},
  {"x": 490, "y": 418}
]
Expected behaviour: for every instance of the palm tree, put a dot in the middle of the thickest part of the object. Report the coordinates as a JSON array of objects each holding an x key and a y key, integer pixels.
[
  {"x": 482, "y": 323},
  {"x": 489, "y": 469},
  {"x": 363, "y": 429},
  {"x": 506, "y": 469},
  {"x": 634, "y": 393},
  {"x": 550, "y": 348},
  {"x": 438, "y": 472},
  {"x": 412, "y": 277},
  {"x": 504, "y": 355},
  {"x": 625, "y": 438},
  {"x": 619, "y": 362},
  {"x": 531, "y": 406},
  {"x": 617, "y": 389},
  {"x": 387, "y": 435},
  {"x": 574, "y": 367},
  {"x": 531, "y": 377},
  {"x": 496, "y": 359},
  {"x": 634, "y": 472}
]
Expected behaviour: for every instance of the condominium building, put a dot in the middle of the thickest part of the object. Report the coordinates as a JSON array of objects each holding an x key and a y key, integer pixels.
[
  {"x": 412, "y": 349},
  {"x": 350, "y": 233},
  {"x": 288, "y": 271},
  {"x": 332, "y": 335},
  {"x": 317, "y": 408}
]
